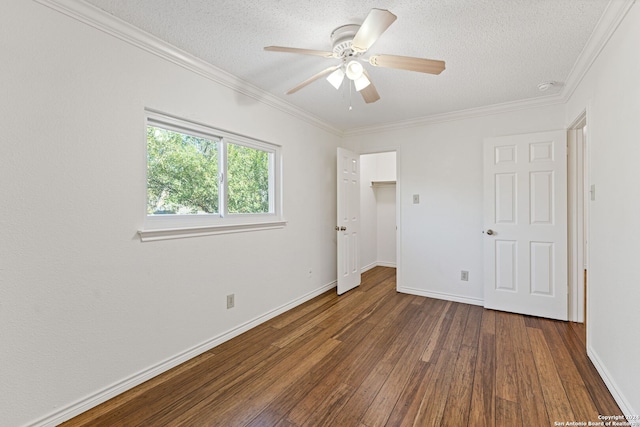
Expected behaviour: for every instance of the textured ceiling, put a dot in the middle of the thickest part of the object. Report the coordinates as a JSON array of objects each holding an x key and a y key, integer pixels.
[{"x": 496, "y": 51}]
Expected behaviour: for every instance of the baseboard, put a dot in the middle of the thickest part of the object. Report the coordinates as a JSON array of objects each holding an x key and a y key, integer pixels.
[
  {"x": 377, "y": 264},
  {"x": 120, "y": 387},
  {"x": 368, "y": 267},
  {"x": 611, "y": 385},
  {"x": 441, "y": 295},
  {"x": 386, "y": 264}
]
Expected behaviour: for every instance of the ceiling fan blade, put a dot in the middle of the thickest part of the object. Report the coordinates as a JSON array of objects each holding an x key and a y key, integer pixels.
[
  {"x": 301, "y": 51},
  {"x": 369, "y": 93},
  {"x": 423, "y": 65},
  {"x": 313, "y": 79},
  {"x": 373, "y": 26}
]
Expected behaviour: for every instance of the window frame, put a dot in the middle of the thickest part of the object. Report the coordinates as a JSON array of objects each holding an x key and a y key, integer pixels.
[{"x": 170, "y": 226}]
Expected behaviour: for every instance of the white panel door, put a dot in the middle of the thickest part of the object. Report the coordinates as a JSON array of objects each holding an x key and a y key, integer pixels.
[
  {"x": 525, "y": 218},
  {"x": 348, "y": 228}
]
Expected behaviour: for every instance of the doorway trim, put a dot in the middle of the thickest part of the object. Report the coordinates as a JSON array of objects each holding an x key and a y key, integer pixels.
[
  {"x": 397, "y": 150},
  {"x": 578, "y": 224}
]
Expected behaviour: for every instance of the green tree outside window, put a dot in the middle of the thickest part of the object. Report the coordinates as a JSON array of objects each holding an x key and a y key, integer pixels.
[{"x": 183, "y": 175}]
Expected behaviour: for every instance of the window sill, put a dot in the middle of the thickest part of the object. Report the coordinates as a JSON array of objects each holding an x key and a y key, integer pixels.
[{"x": 185, "y": 232}]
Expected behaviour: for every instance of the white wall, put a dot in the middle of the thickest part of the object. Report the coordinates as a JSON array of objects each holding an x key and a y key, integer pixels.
[
  {"x": 385, "y": 166},
  {"x": 377, "y": 210},
  {"x": 611, "y": 94},
  {"x": 84, "y": 305},
  {"x": 442, "y": 163},
  {"x": 368, "y": 213},
  {"x": 386, "y": 212}
]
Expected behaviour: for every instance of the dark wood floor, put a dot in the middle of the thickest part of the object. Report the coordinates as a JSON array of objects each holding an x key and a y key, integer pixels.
[{"x": 374, "y": 357}]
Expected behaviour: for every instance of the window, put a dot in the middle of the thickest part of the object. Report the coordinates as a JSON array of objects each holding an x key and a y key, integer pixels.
[
  {"x": 182, "y": 173},
  {"x": 202, "y": 180}
]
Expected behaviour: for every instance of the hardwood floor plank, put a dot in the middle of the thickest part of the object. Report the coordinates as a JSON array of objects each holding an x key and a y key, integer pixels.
[
  {"x": 580, "y": 331},
  {"x": 564, "y": 361},
  {"x": 247, "y": 404},
  {"x": 472, "y": 327},
  {"x": 532, "y": 322},
  {"x": 453, "y": 338},
  {"x": 530, "y": 395},
  {"x": 488, "y": 325},
  {"x": 433, "y": 403},
  {"x": 439, "y": 333},
  {"x": 196, "y": 380},
  {"x": 367, "y": 391},
  {"x": 354, "y": 367},
  {"x": 375, "y": 311},
  {"x": 506, "y": 369},
  {"x": 324, "y": 413},
  {"x": 320, "y": 303},
  {"x": 115, "y": 405},
  {"x": 508, "y": 414},
  {"x": 482, "y": 412},
  {"x": 581, "y": 403},
  {"x": 406, "y": 408},
  {"x": 334, "y": 311},
  {"x": 596, "y": 387},
  {"x": 382, "y": 406},
  {"x": 375, "y": 357},
  {"x": 300, "y": 400},
  {"x": 456, "y": 411},
  {"x": 555, "y": 397},
  {"x": 230, "y": 383},
  {"x": 337, "y": 310}
]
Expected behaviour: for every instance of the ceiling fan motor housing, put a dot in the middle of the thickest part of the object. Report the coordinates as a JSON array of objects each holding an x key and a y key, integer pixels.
[{"x": 341, "y": 39}]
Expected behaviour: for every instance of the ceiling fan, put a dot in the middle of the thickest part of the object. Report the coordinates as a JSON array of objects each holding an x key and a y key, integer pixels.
[{"x": 350, "y": 43}]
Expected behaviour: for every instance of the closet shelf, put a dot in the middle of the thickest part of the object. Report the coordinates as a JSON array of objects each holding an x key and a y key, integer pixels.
[{"x": 377, "y": 184}]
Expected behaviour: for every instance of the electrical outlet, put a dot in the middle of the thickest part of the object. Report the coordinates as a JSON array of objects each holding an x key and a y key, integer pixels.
[
  {"x": 416, "y": 199},
  {"x": 464, "y": 276},
  {"x": 231, "y": 301}
]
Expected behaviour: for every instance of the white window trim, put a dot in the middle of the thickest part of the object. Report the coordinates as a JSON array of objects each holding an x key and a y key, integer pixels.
[
  {"x": 184, "y": 232},
  {"x": 162, "y": 227}
]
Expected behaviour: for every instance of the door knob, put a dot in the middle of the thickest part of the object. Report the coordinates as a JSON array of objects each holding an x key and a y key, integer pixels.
[
  {"x": 343, "y": 228},
  {"x": 490, "y": 232}
]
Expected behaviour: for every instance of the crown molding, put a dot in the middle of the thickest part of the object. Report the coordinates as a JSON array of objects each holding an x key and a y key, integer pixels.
[
  {"x": 116, "y": 27},
  {"x": 607, "y": 24},
  {"x": 459, "y": 115},
  {"x": 95, "y": 17},
  {"x": 611, "y": 18}
]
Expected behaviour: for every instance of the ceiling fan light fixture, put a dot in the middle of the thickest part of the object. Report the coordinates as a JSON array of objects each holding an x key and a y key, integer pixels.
[
  {"x": 355, "y": 70},
  {"x": 349, "y": 43},
  {"x": 336, "y": 78},
  {"x": 361, "y": 83}
]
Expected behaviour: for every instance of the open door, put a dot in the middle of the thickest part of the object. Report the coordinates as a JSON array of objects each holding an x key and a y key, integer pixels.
[
  {"x": 525, "y": 217},
  {"x": 348, "y": 224}
]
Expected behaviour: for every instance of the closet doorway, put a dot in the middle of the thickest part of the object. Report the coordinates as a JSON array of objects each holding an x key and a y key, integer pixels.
[{"x": 378, "y": 226}]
